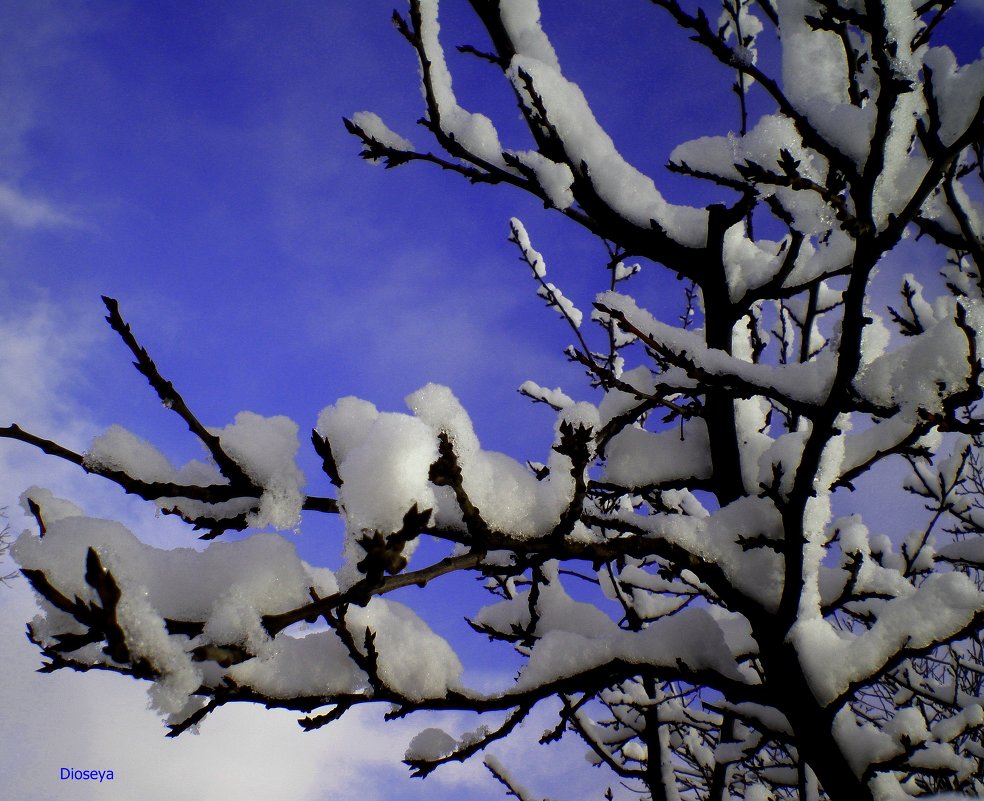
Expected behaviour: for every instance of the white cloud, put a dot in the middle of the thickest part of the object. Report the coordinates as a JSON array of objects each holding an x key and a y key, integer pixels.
[
  {"x": 101, "y": 721},
  {"x": 32, "y": 212},
  {"x": 42, "y": 348},
  {"x": 243, "y": 753}
]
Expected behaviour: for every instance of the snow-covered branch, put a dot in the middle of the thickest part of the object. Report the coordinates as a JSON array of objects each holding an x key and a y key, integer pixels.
[{"x": 746, "y": 622}]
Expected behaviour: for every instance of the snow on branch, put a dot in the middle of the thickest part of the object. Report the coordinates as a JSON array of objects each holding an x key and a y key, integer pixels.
[{"x": 710, "y": 578}]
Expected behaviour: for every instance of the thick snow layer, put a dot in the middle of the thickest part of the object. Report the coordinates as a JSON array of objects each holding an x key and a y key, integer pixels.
[
  {"x": 376, "y": 129},
  {"x": 316, "y": 663},
  {"x": 508, "y": 495},
  {"x": 554, "y": 178},
  {"x": 344, "y": 424},
  {"x": 54, "y": 508},
  {"x": 386, "y": 474},
  {"x": 958, "y": 90},
  {"x": 691, "y": 637},
  {"x": 384, "y": 461},
  {"x": 121, "y": 450},
  {"x": 411, "y": 659},
  {"x": 833, "y": 659},
  {"x": 262, "y": 571},
  {"x": 229, "y": 587},
  {"x": 553, "y": 397},
  {"x": 762, "y": 146},
  {"x": 865, "y": 744},
  {"x": 617, "y": 402},
  {"x": 432, "y": 743},
  {"x": 807, "y": 383},
  {"x": 627, "y": 191},
  {"x": 576, "y": 636},
  {"x": 521, "y": 19},
  {"x": 639, "y": 458},
  {"x": 970, "y": 551},
  {"x": 749, "y": 264},
  {"x": 266, "y": 449},
  {"x": 718, "y": 538},
  {"x": 924, "y": 370},
  {"x": 682, "y": 605},
  {"x": 902, "y": 171},
  {"x": 474, "y": 132},
  {"x": 814, "y": 78}
]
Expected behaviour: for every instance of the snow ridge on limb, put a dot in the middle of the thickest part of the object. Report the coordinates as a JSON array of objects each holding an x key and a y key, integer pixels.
[
  {"x": 678, "y": 573},
  {"x": 249, "y": 478},
  {"x": 573, "y": 152}
]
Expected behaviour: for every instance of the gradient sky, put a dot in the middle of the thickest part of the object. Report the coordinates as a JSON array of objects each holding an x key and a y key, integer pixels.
[{"x": 189, "y": 160}]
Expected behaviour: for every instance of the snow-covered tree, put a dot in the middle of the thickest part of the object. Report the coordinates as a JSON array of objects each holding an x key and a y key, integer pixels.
[{"x": 689, "y": 574}]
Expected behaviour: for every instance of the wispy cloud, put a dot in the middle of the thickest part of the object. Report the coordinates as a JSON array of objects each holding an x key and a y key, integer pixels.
[
  {"x": 33, "y": 212},
  {"x": 100, "y": 721},
  {"x": 42, "y": 347}
]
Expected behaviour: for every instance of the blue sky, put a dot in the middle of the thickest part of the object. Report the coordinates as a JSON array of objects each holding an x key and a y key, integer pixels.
[{"x": 189, "y": 159}]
